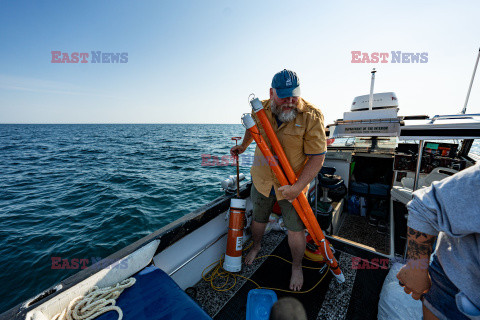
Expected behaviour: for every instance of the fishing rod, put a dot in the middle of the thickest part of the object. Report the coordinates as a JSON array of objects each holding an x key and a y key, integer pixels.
[
  {"x": 238, "y": 168},
  {"x": 236, "y": 224}
]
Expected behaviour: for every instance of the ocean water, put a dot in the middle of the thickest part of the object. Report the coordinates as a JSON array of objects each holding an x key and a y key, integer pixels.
[{"x": 86, "y": 191}]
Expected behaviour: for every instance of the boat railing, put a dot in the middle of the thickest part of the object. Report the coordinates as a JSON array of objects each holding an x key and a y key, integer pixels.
[
  {"x": 385, "y": 120},
  {"x": 454, "y": 116}
]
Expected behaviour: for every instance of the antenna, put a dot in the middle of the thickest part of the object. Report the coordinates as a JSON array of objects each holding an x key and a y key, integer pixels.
[
  {"x": 370, "y": 101},
  {"x": 471, "y": 82}
]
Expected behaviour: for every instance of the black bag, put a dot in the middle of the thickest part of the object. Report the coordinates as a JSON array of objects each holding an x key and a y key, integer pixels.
[{"x": 338, "y": 193}]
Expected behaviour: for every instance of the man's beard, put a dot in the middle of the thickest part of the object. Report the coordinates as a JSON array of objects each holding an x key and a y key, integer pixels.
[{"x": 284, "y": 116}]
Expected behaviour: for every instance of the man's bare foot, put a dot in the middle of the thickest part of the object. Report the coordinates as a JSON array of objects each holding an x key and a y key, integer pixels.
[
  {"x": 296, "y": 281},
  {"x": 251, "y": 255}
]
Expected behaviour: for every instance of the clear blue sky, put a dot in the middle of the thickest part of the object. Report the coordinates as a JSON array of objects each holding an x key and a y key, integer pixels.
[{"x": 197, "y": 61}]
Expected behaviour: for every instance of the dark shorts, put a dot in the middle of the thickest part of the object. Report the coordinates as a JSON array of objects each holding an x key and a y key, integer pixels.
[
  {"x": 440, "y": 299},
  {"x": 262, "y": 208}
]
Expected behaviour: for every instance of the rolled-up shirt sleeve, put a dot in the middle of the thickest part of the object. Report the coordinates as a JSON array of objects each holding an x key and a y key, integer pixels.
[
  {"x": 423, "y": 212},
  {"x": 451, "y": 205},
  {"x": 315, "y": 140}
]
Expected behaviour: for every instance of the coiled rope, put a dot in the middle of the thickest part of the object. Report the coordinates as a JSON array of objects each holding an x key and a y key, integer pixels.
[
  {"x": 217, "y": 272},
  {"x": 96, "y": 302}
]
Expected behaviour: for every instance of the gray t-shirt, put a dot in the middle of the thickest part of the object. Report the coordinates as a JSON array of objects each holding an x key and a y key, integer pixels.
[{"x": 450, "y": 208}]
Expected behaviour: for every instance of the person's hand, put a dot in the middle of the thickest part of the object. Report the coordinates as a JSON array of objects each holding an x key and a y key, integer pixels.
[
  {"x": 236, "y": 150},
  {"x": 415, "y": 279},
  {"x": 289, "y": 192}
]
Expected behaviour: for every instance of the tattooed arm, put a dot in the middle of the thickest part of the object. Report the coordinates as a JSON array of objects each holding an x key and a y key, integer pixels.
[{"x": 414, "y": 275}]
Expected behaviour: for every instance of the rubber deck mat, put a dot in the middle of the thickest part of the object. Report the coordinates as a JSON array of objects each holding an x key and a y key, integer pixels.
[
  {"x": 366, "y": 294},
  {"x": 363, "y": 290},
  {"x": 275, "y": 273}
]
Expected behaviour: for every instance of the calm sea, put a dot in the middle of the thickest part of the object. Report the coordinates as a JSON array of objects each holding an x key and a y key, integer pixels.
[{"x": 85, "y": 191}]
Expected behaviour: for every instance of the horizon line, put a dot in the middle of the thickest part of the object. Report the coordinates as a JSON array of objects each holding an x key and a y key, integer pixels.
[{"x": 64, "y": 123}]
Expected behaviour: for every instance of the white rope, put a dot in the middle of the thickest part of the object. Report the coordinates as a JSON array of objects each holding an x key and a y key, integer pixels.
[
  {"x": 96, "y": 302},
  {"x": 326, "y": 252}
]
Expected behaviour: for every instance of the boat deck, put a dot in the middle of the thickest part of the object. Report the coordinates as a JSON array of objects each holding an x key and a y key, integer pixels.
[
  {"x": 356, "y": 298},
  {"x": 356, "y": 228}
]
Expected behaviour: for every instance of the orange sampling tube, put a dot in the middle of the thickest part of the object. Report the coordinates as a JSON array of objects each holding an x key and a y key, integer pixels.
[
  {"x": 272, "y": 162},
  {"x": 233, "y": 254},
  {"x": 305, "y": 211}
]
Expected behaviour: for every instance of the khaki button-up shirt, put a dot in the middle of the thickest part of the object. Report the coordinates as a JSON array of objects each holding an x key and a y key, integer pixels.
[{"x": 302, "y": 137}]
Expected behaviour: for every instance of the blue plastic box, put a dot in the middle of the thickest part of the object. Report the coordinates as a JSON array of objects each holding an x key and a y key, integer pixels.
[{"x": 259, "y": 303}]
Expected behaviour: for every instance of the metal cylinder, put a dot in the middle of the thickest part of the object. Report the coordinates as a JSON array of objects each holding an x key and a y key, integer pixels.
[
  {"x": 248, "y": 121},
  {"x": 372, "y": 83},
  {"x": 256, "y": 104}
]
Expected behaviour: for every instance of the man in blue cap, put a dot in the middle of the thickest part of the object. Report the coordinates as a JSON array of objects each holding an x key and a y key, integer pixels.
[{"x": 300, "y": 130}]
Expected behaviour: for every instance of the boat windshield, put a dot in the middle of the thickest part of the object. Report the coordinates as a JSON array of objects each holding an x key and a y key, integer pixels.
[{"x": 367, "y": 144}]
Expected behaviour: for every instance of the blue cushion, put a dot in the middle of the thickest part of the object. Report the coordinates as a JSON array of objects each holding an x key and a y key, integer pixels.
[
  {"x": 359, "y": 187},
  {"x": 155, "y": 296},
  {"x": 376, "y": 189},
  {"x": 379, "y": 189}
]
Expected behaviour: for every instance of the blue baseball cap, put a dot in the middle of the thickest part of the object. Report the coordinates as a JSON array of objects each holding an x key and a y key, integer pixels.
[{"x": 286, "y": 84}]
